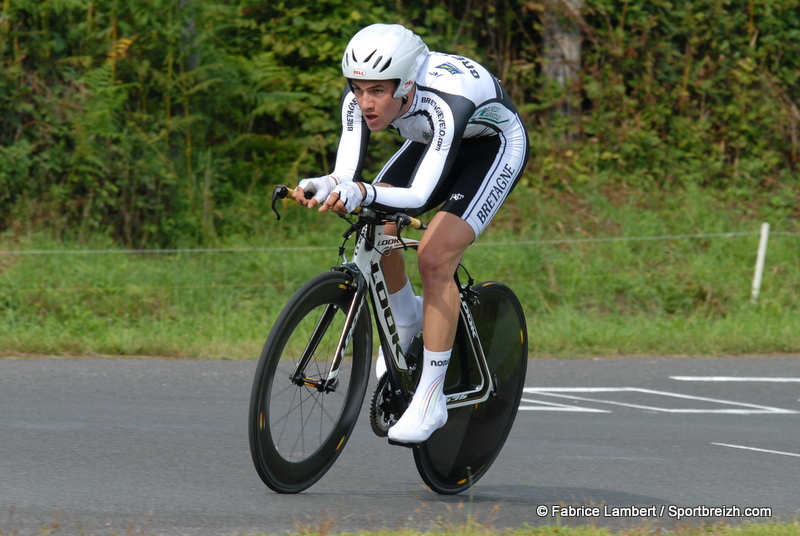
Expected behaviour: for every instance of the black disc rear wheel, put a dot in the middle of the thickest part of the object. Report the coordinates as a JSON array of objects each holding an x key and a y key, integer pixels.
[{"x": 460, "y": 453}]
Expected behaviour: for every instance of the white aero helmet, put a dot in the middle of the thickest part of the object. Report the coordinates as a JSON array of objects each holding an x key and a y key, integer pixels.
[{"x": 385, "y": 52}]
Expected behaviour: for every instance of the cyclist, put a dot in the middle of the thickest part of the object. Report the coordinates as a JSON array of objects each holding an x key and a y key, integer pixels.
[{"x": 465, "y": 149}]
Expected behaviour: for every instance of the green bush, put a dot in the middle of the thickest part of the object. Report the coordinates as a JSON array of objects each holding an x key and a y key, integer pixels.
[{"x": 164, "y": 123}]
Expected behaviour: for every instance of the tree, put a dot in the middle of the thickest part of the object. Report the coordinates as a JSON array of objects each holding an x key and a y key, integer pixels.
[{"x": 562, "y": 50}]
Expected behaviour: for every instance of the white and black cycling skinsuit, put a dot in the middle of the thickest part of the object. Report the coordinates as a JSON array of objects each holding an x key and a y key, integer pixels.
[{"x": 466, "y": 144}]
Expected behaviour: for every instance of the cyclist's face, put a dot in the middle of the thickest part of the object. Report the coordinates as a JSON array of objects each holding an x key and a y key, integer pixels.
[{"x": 377, "y": 105}]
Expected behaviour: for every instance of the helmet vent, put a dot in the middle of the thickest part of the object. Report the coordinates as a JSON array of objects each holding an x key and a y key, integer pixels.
[{"x": 385, "y": 52}]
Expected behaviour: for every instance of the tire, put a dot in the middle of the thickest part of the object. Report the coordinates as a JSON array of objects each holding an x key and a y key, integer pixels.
[
  {"x": 297, "y": 431},
  {"x": 459, "y": 454}
]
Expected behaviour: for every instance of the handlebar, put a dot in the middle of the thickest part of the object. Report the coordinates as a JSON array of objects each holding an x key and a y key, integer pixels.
[{"x": 402, "y": 220}]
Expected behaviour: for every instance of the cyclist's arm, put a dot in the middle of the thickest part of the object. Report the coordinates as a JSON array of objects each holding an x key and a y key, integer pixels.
[
  {"x": 450, "y": 115},
  {"x": 350, "y": 154},
  {"x": 353, "y": 141}
]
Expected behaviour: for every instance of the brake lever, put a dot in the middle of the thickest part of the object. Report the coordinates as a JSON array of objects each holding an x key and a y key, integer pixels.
[
  {"x": 404, "y": 220},
  {"x": 280, "y": 192}
]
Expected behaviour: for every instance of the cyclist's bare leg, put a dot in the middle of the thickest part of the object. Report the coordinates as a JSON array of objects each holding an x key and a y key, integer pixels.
[
  {"x": 394, "y": 265},
  {"x": 440, "y": 251}
]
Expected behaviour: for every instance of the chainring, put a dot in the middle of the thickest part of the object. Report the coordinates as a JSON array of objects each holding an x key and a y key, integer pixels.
[{"x": 384, "y": 408}]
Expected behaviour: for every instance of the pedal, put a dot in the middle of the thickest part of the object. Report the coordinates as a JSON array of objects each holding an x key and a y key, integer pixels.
[{"x": 407, "y": 445}]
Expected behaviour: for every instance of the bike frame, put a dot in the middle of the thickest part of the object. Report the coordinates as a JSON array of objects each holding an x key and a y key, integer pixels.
[
  {"x": 296, "y": 435},
  {"x": 372, "y": 245}
]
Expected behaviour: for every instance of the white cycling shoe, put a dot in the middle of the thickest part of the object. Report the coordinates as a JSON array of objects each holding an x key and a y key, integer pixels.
[{"x": 424, "y": 415}]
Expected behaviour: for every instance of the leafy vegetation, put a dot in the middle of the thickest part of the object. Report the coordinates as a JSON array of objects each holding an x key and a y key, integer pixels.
[
  {"x": 158, "y": 124},
  {"x": 165, "y": 123}
]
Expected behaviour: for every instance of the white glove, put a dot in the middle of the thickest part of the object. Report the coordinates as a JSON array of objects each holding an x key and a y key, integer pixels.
[
  {"x": 349, "y": 194},
  {"x": 320, "y": 187}
]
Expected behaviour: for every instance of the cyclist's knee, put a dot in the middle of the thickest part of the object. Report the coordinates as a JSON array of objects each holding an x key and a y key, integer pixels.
[
  {"x": 442, "y": 247},
  {"x": 435, "y": 267}
]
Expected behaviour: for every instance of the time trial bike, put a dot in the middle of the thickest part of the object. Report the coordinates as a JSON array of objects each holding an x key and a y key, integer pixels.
[{"x": 314, "y": 369}]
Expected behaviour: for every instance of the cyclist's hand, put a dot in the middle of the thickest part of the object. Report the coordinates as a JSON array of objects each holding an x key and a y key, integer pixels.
[
  {"x": 345, "y": 198},
  {"x": 320, "y": 189}
]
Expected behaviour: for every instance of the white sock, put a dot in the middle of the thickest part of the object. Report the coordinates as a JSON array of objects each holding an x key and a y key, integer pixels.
[
  {"x": 431, "y": 380},
  {"x": 407, "y": 311}
]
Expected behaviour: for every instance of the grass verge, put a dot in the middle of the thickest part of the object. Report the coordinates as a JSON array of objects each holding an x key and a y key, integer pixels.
[
  {"x": 747, "y": 529},
  {"x": 472, "y": 528},
  {"x": 598, "y": 274}
]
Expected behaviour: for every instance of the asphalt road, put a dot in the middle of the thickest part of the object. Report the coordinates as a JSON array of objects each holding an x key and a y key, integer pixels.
[{"x": 154, "y": 447}]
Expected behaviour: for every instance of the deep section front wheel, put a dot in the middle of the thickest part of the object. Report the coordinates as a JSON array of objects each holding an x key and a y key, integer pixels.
[
  {"x": 301, "y": 416},
  {"x": 460, "y": 453}
]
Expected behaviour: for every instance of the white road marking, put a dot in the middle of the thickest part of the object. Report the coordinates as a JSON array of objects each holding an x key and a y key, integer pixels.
[
  {"x": 733, "y": 379},
  {"x": 757, "y": 450},
  {"x": 741, "y": 408},
  {"x": 552, "y": 406}
]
